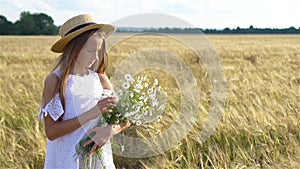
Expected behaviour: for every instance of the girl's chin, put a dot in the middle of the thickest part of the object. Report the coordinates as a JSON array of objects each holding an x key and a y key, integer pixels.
[{"x": 89, "y": 65}]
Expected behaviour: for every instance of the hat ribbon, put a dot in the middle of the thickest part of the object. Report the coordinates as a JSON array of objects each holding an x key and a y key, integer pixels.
[{"x": 79, "y": 27}]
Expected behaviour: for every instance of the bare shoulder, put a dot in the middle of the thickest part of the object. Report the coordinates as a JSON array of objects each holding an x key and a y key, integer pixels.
[
  {"x": 51, "y": 79},
  {"x": 105, "y": 81},
  {"x": 50, "y": 85}
]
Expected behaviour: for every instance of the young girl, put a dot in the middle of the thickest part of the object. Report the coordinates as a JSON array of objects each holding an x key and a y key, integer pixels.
[{"x": 72, "y": 102}]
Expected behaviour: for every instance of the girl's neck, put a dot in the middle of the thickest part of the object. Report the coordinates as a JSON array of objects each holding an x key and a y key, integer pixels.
[{"x": 79, "y": 71}]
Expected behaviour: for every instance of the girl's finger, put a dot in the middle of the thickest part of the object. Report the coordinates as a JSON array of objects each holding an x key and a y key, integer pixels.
[
  {"x": 88, "y": 142},
  {"x": 106, "y": 111},
  {"x": 108, "y": 99},
  {"x": 93, "y": 149},
  {"x": 126, "y": 125},
  {"x": 108, "y": 105}
]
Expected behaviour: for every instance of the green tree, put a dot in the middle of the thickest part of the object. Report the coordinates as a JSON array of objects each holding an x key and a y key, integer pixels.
[
  {"x": 6, "y": 27},
  {"x": 35, "y": 24},
  {"x": 26, "y": 24},
  {"x": 44, "y": 24}
]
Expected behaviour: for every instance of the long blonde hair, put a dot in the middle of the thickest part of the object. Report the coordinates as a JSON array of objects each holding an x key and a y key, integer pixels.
[{"x": 66, "y": 62}]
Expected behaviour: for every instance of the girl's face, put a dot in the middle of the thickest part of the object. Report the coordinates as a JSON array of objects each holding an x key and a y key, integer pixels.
[{"x": 89, "y": 53}]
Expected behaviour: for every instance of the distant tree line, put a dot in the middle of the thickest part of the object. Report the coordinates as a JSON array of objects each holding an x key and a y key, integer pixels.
[
  {"x": 238, "y": 30},
  {"x": 28, "y": 24},
  {"x": 42, "y": 24}
]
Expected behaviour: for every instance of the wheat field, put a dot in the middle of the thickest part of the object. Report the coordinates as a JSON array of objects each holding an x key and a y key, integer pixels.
[{"x": 260, "y": 126}]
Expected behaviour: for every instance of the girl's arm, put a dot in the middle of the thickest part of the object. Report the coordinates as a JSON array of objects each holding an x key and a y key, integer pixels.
[
  {"x": 105, "y": 81},
  {"x": 55, "y": 129}
]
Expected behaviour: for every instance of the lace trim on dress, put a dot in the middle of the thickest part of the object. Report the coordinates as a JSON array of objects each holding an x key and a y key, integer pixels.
[{"x": 54, "y": 108}]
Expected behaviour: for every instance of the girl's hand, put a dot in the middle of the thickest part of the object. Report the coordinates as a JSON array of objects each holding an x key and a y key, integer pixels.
[
  {"x": 103, "y": 135},
  {"x": 120, "y": 127},
  {"x": 105, "y": 103}
]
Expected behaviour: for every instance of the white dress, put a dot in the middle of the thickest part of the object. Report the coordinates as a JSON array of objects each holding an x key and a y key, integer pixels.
[{"x": 82, "y": 93}]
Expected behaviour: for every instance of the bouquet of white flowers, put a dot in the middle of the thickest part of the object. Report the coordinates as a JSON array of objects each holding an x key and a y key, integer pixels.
[{"x": 138, "y": 103}]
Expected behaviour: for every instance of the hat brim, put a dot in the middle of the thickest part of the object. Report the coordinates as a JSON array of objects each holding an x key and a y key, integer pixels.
[{"x": 60, "y": 45}]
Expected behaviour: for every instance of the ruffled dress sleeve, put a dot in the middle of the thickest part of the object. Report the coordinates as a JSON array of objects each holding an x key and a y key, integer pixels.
[{"x": 54, "y": 109}]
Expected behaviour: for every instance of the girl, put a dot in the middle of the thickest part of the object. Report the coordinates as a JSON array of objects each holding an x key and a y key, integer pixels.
[{"x": 72, "y": 102}]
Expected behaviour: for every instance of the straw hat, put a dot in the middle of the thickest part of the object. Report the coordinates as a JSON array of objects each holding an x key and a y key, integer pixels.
[{"x": 75, "y": 26}]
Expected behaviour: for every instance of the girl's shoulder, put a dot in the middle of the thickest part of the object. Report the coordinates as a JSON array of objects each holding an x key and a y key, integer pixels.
[
  {"x": 53, "y": 78},
  {"x": 50, "y": 84}
]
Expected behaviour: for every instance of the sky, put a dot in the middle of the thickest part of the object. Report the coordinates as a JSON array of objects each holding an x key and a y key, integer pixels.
[{"x": 216, "y": 14}]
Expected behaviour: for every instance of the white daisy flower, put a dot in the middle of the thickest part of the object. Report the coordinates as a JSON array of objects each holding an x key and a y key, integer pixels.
[
  {"x": 126, "y": 85},
  {"x": 138, "y": 122},
  {"x": 128, "y": 77}
]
